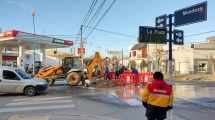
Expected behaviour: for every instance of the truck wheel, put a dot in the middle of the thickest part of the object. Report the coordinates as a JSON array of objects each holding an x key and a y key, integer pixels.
[
  {"x": 30, "y": 91},
  {"x": 49, "y": 80},
  {"x": 73, "y": 78}
]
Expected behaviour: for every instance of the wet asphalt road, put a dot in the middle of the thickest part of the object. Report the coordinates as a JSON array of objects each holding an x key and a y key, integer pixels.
[{"x": 194, "y": 100}]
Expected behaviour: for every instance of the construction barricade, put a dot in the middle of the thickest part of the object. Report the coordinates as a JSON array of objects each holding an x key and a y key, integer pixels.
[
  {"x": 111, "y": 75},
  {"x": 129, "y": 78}
]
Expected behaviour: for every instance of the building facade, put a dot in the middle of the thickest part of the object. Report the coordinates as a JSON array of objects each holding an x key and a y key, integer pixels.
[{"x": 194, "y": 59}]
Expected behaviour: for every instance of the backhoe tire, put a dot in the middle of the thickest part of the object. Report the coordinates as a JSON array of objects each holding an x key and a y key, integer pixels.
[
  {"x": 49, "y": 80},
  {"x": 73, "y": 79}
]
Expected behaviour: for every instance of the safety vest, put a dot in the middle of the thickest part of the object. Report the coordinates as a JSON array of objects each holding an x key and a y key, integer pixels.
[{"x": 158, "y": 93}]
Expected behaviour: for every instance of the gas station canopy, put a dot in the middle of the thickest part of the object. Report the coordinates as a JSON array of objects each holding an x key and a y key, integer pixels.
[{"x": 12, "y": 39}]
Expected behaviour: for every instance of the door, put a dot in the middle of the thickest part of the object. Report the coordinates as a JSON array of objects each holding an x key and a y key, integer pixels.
[
  {"x": 184, "y": 68},
  {"x": 10, "y": 82}
]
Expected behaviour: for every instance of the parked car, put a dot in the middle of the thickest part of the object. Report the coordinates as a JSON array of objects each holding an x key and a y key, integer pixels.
[{"x": 15, "y": 80}]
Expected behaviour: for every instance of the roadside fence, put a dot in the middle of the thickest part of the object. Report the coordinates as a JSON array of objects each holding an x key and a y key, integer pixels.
[
  {"x": 135, "y": 79},
  {"x": 127, "y": 78}
]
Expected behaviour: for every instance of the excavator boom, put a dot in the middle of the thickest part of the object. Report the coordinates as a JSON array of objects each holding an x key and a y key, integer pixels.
[
  {"x": 90, "y": 68},
  {"x": 48, "y": 71}
]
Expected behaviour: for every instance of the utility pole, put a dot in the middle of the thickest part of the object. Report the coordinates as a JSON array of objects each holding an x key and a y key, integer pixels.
[{"x": 81, "y": 47}]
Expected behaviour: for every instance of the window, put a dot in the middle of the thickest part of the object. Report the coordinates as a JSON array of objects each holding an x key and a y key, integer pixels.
[
  {"x": 9, "y": 75},
  {"x": 23, "y": 74},
  {"x": 202, "y": 66},
  {"x": 134, "y": 53}
]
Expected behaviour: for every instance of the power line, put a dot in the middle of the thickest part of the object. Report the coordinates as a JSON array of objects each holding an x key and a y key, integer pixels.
[
  {"x": 101, "y": 18},
  {"x": 62, "y": 35},
  {"x": 198, "y": 29},
  {"x": 89, "y": 11},
  {"x": 112, "y": 32},
  {"x": 86, "y": 17},
  {"x": 195, "y": 42},
  {"x": 95, "y": 15},
  {"x": 200, "y": 33}
]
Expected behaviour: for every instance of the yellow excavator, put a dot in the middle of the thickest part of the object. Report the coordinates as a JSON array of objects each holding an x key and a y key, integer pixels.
[{"x": 70, "y": 70}]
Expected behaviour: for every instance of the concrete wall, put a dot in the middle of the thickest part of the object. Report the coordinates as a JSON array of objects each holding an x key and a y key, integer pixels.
[{"x": 49, "y": 61}]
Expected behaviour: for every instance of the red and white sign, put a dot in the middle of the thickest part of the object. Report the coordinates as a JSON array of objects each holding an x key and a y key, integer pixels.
[
  {"x": 8, "y": 34},
  {"x": 81, "y": 50}
]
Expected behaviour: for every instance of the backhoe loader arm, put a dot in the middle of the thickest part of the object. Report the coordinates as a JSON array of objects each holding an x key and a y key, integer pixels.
[
  {"x": 90, "y": 68},
  {"x": 47, "y": 71}
]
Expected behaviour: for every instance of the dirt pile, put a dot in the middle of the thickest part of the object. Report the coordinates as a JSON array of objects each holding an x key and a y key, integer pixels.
[{"x": 105, "y": 83}]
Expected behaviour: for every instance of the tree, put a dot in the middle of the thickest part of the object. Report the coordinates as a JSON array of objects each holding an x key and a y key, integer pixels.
[
  {"x": 115, "y": 61},
  {"x": 143, "y": 64},
  {"x": 133, "y": 64}
]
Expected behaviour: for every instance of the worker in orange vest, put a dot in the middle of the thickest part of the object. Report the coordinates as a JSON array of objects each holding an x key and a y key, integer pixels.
[{"x": 157, "y": 98}]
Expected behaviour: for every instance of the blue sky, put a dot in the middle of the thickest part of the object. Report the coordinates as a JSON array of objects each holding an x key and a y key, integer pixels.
[{"x": 64, "y": 17}]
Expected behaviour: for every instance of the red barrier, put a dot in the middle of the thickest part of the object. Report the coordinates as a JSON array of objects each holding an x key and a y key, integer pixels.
[
  {"x": 112, "y": 75},
  {"x": 148, "y": 77},
  {"x": 129, "y": 78},
  {"x": 127, "y": 72},
  {"x": 141, "y": 79}
]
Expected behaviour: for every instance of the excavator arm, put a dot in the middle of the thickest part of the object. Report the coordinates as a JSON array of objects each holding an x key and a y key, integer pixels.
[
  {"x": 48, "y": 71},
  {"x": 90, "y": 68}
]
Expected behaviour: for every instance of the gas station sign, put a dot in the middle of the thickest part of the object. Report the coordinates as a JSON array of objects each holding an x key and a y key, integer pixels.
[
  {"x": 8, "y": 34},
  {"x": 63, "y": 42}
]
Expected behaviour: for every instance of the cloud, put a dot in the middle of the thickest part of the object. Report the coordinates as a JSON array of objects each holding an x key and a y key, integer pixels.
[{"x": 22, "y": 5}]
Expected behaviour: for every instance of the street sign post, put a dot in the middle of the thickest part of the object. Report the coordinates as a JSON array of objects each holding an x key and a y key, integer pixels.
[
  {"x": 178, "y": 37},
  {"x": 192, "y": 14},
  {"x": 152, "y": 35},
  {"x": 160, "y": 21}
]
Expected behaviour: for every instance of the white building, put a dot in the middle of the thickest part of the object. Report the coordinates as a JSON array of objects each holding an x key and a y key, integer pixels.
[{"x": 186, "y": 59}]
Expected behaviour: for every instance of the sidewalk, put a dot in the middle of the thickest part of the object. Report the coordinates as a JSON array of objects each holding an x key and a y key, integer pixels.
[{"x": 190, "y": 77}]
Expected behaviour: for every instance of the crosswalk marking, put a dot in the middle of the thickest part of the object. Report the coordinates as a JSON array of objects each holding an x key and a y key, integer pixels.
[
  {"x": 38, "y": 102},
  {"x": 35, "y": 99},
  {"x": 35, "y": 103},
  {"x": 35, "y": 108}
]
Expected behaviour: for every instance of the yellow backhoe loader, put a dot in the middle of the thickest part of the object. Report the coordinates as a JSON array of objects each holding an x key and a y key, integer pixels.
[{"x": 70, "y": 70}]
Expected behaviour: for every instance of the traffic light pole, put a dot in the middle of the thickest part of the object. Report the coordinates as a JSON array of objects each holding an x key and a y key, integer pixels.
[
  {"x": 170, "y": 47},
  {"x": 170, "y": 58}
]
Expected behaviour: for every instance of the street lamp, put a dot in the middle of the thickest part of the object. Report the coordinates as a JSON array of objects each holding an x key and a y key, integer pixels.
[{"x": 33, "y": 14}]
